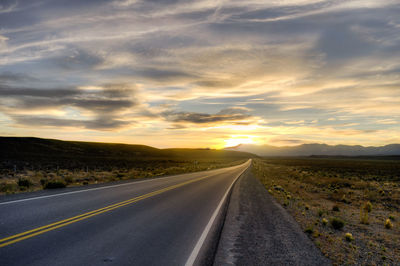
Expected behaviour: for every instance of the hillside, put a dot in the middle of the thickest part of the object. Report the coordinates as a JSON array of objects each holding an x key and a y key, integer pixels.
[
  {"x": 35, "y": 153},
  {"x": 319, "y": 149}
]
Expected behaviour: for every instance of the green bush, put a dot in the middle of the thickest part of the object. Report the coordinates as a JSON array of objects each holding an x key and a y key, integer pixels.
[
  {"x": 120, "y": 175},
  {"x": 54, "y": 184},
  {"x": 364, "y": 217},
  {"x": 388, "y": 224},
  {"x": 365, "y": 209},
  {"x": 69, "y": 179},
  {"x": 8, "y": 187},
  {"x": 367, "y": 206},
  {"x": 337, "y": 223},
  {"x": 43, "y": 181},
  {"x": 349, "y": 237},
  {"x": 309, "y": 230},
  {"x": 23, "y": 182}
]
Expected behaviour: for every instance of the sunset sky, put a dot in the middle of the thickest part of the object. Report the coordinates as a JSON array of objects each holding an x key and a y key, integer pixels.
[{"x": 202, "y": 73}]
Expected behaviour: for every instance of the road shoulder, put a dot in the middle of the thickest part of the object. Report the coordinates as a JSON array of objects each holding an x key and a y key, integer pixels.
[{"x": 259, "y": 231}]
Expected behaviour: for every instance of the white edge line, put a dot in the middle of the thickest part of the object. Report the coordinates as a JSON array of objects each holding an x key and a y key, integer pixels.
[
  {"x": 73, "y": 192},
  {"x": 196, "y": 250},
  {"x": 90, "y": 189}
]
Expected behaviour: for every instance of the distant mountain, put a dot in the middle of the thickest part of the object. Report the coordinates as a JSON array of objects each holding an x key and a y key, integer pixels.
[{"x": 318, "y": 149}]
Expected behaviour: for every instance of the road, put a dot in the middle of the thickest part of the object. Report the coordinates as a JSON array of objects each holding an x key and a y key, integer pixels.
[{"x": 162, "y": 221}]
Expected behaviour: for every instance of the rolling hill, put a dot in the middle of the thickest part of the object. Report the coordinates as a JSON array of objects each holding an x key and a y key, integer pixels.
[{"x": 29, "y": 152}]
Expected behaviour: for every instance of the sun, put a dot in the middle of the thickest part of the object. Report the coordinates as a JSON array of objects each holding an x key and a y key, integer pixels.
[{"x": 236, "y": 140}]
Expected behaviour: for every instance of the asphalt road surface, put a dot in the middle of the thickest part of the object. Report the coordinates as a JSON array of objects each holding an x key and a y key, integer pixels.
[{"x": 162, "y": 221}]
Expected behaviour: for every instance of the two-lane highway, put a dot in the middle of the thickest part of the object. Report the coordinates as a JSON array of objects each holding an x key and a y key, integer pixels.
[{"x": 163, "y": 221}]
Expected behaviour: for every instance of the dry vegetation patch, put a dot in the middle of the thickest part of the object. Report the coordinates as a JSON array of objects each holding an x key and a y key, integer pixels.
[
  {"x": 349, "y": 207},
  {"x": 28, "y": 164},
  {"x": 30, "y": 180}
]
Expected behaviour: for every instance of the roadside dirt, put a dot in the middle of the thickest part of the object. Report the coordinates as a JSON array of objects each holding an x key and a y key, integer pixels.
[{"x": 258, "y": 231}]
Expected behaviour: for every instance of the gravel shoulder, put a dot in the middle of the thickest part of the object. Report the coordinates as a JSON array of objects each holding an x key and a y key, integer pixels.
[{"x": 258, "y": 231}]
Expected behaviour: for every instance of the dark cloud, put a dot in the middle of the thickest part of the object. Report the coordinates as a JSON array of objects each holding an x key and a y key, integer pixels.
[
  {"x": 225, "y": 115},
  {"x": 158, "y": 74},
  {"x": 117, "y": 90},
  {"x": 105, "y": 104},
  {"x": 96, "y": 106},
  {"x": 218, "y": 83},
  {"x": 148, "y": 114},
  {"x": 10, "y": 77},
  {"x": 113, "y": 97},
  {"x": 14, "y": 92},
  {"x": 177, "y": 126},
  {"x": 102, "y": 123}
]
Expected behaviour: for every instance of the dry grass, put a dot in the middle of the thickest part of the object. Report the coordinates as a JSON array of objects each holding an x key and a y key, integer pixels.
[
  {"x": 321, "y": 194},
  {"x": 28, "y": 180}
]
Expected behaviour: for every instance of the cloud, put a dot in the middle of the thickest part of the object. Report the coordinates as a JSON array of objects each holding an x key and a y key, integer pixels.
[
  {"x": 99, "y": 108},
  {"x": 106, "y": 98},
  {"x": 218, "y": 83},
  {"x": 124, "y": 3},
  {"x": 282, "y": 141},
  {"x": 3, "y": 42},
  {"x": 7, "y": 77},
  {"x": 14, "y": 92},
  {"x": 7, "y": 6},
  {"x": 163, "y": 75},
  {"x": 102, "y": 123},
  {"x": 226, "y": 115},
  {"x": 305, "y": 60},
  {"x": 78, "y": 59}
]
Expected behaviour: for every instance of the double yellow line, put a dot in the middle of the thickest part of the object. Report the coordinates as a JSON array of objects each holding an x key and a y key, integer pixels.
[{"x": 43, "y": 229}]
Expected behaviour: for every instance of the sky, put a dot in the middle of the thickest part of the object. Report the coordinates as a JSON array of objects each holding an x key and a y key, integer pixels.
[{"x": 205, "y": 73}]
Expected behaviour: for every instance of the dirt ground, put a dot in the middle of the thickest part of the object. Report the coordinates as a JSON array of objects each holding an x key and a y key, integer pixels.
[{"x": 321, "y": 194}]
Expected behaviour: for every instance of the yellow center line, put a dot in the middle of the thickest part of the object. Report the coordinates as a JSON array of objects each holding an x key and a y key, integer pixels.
[{"x": 46, "y": 228}]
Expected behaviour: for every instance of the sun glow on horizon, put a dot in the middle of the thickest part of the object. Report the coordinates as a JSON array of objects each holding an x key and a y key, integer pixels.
[{"x": 237, "y": 140}]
